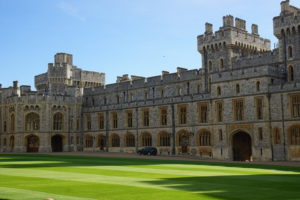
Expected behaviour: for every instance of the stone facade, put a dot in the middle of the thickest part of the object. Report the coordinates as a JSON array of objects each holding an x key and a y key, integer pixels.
[{"x": 243, "y": 104}]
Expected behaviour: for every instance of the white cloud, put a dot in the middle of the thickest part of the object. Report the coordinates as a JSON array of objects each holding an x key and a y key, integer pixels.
[{"x": 71, "y": 10}]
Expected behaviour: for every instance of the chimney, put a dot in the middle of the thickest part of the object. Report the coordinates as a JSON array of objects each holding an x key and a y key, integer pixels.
[{"x": 165, "y": 73}]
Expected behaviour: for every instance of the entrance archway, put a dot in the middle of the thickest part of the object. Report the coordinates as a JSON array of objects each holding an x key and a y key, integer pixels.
[
  {"x": 57, "y": 143},
  {"x": 33, "y": 143},
  {"x": 101, "y": 142},
  {"x": 241, "y": 146},
  {"x": 184, "y": 140}
]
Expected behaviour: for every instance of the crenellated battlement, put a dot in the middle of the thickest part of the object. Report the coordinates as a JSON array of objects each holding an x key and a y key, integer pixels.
[{"x": 232, "y": 34}]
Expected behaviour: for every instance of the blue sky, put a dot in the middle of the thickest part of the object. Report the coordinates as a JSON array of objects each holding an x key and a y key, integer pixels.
[{"x": 135, "y": 37}]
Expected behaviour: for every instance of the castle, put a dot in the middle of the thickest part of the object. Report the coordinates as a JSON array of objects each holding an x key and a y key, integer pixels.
[{"x": 243, "y": 104}]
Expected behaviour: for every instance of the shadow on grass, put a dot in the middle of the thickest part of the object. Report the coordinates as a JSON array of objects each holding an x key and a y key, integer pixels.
[
  {"x": 69, "y": 161},
  {"x": 249, "y": 187}
]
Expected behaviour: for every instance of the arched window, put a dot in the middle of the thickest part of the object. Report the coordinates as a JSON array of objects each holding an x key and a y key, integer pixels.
[
  {"x": 130, "y": 140},
  {"x": 88, "y": 141},
  {"x": 291, "y": 73},
  {"x": 257, "y": 86},
  {"x": 164, "y": 139},
  {"x": 58, "y": 122},
  {"x": 290, "y": 52},
  {"x": 115, "y": 141},
  {"x": 276, "y": 136},
  {"x": 12, "y": 122},
  {"x": 32, "y": 122},
  {"x": 218, "y": 90},
  {"x": 204, "y": 138},
  {"x": 222, "y": 63},
  {"x": 237, "y": 88},
  {"x": 209, "y": 65},
  {"x": 146, "y": 140},
  {"x": 295, "y": 135}
]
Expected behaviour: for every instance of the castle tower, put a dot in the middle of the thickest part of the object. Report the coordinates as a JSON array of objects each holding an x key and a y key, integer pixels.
[
  {"x": 231, "y": 41},
  {"x": 287, "y": 30}
]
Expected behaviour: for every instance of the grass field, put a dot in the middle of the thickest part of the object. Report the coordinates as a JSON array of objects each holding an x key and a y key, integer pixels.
[{"x": 39, "y": 176}]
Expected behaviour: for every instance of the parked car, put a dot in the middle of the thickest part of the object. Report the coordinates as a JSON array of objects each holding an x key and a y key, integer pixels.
[{"x": 151, "y": 151}]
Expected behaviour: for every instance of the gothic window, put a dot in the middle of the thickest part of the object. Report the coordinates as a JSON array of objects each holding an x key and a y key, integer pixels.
[
  {"x": 203, "y": 113},
  {"x": 146, "y": 140},
  {"x": 163, "y": 116},
  {"x": 88, "y": 122},
  {"x": 129, "y": 119},
  {"x": 219, "y": 107},
  {"x": 276, "y": 136},
  {"x": 117, "y": 99},
  {"x": 164, "y": 139},
  {"x": 115, "y": 140},
  {"x": 101, "y": 121},
  {"x": 295, "y": 135},
  {"x": 259, "y": 108},
  {"x": 291, "y": 73},
  {"x": 130, "y": 140},
  {"x": 239, "y": 110},
  {"x": 182, "y": 115},
  {"x": 32, "y": 122},
  {"x": 146, "y": 118},
  {"x": 58, "y": 122},
  {"x": 221, "y": 63},
  {"x": 145, "y": 95},
  {"x": 218, "y": 90},
  {"x": 290, "y": 52},
  {"x": 204, "y": 138},
  {"x": 88, "y": 141},
  {"x": 12, "y": 122},
  {"x": 210, "y": 65},
  {"x": 257, "y": 86},
  {"x": 115, "y": 120},
  {"x": 237, "y": 88},
  {"x": 295, "y": 100}
]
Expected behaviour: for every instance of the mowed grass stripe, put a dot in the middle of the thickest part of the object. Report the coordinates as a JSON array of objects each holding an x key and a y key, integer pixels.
[
  {"x": 13, "y": 193},
  {"x": 93, "y": 190}
]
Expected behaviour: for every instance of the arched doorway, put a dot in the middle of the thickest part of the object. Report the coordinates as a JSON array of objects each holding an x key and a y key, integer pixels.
[
  {"x": 101, "y": 142},
  {"x": 184, "y": 141},
  {"x": 33, "y": 143},
  {"x": 241, "y": 146},
  {"x": 57, "y": 143}
]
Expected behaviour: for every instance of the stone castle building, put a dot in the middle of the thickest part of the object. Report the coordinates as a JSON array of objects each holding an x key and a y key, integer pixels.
[{"x": 243, "y": 104}]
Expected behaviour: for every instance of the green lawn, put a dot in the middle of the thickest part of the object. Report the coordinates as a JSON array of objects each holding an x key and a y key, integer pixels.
[{"x": 30, "y": 176}]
